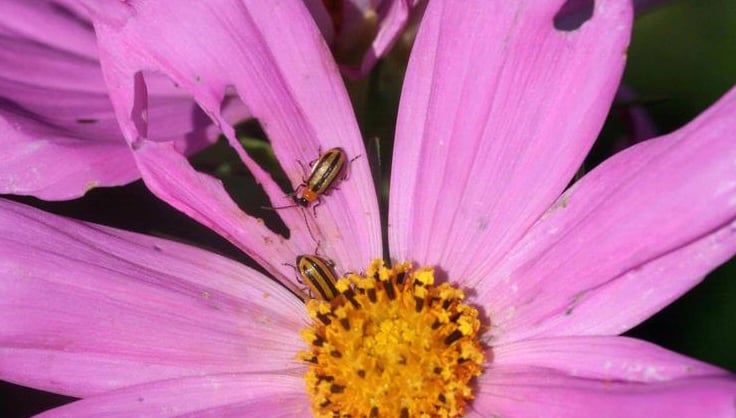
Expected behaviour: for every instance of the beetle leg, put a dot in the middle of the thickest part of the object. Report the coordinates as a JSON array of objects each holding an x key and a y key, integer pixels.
[
  {"x": 314, "y": 208},
  {"x": 346, "y": 173}
]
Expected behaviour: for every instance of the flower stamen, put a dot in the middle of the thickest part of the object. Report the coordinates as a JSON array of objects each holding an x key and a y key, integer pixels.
[{"x": 392, "y": 344}]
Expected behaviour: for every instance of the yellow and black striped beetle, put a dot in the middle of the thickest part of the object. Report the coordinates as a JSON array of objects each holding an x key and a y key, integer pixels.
[
  {"x": 319, "y": 274},
  {"x": 326, "y": 171}
]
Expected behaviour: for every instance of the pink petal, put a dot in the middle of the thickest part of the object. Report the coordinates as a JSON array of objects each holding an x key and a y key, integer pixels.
[
  {"x": 60, "y": 25},
  {"x": 285, "y": 77},
  {"x": 54, "y": 107},
  {"x": 530, "y": 392},
  {"x": 603, "y": 358},
  {"x": 227, "y": 395},
  {"x": 392, "y": 18},
  {"x": 498, "y": 110},
  {"x": 600, "y": 376},
  {"x": 88, "y": 308},
  {"x": 629, "y": 238},
  {"x": 322, "y": 18}
]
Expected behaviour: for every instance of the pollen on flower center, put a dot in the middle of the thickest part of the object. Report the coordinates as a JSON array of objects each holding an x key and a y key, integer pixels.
[{"x": 392, "y": 344}]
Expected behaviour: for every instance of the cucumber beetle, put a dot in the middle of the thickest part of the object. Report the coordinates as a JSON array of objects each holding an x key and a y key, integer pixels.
[
  {"x": 327, "y": 171},
  {"x": 328, "y": 168},
  {"x": 319, "y": 274}
]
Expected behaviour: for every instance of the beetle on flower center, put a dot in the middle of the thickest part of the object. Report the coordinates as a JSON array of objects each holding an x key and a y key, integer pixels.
[{"x": 391, "y": 343}]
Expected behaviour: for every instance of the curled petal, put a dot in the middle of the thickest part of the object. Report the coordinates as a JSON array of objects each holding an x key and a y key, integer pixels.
[
  {"x": 391, "y": 19},
  {"x": 284, "y": 75},
  {"x": 87, "y": 308}
]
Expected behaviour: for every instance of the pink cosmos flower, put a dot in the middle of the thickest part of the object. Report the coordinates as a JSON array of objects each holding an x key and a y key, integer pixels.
[
  {"x": 498, "y": 109},
  {"x": 55, "y": 104}
]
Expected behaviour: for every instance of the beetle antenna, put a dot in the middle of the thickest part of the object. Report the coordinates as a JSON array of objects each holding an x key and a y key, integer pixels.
[
  {"x": 309, "y": 228},
  {"x": 278, "y": 207}
]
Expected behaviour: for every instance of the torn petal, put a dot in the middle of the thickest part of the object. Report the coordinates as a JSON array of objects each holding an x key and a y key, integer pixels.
[
  {"x": 286, "y": 78},
  {"x": 54, "y": 106}
]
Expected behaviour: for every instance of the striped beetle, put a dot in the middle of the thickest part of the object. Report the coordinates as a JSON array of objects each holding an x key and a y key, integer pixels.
[
  {"x": 319, "y": 274},
  {"x": 327, "y": 170}
]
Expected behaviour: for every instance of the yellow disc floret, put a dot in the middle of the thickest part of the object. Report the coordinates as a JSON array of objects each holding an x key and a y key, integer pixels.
[{"x": 392, "y": 344}]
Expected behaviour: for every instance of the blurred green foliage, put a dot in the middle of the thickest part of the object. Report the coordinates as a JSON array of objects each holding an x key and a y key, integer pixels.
[{"x": 683, "y": 55}]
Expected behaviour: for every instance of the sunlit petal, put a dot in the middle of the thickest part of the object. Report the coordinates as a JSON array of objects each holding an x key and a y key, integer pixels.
[{"x": 88, "y": 308}]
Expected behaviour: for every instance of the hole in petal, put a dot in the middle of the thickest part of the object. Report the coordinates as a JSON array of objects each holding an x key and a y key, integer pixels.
[
  {"x": 256, "y": 144},
  {"x": 221, "y": 161},
  {"x": 160, "y": 101},
  {"x": 34, "y": 401},
  {"x": 573, "y": 14}
]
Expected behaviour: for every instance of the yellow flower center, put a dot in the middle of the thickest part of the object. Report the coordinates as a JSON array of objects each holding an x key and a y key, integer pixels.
[{"x": 392, "y": 344}]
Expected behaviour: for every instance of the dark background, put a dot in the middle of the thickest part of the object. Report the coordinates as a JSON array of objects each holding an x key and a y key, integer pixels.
[{"x": 682, "y": 58}]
